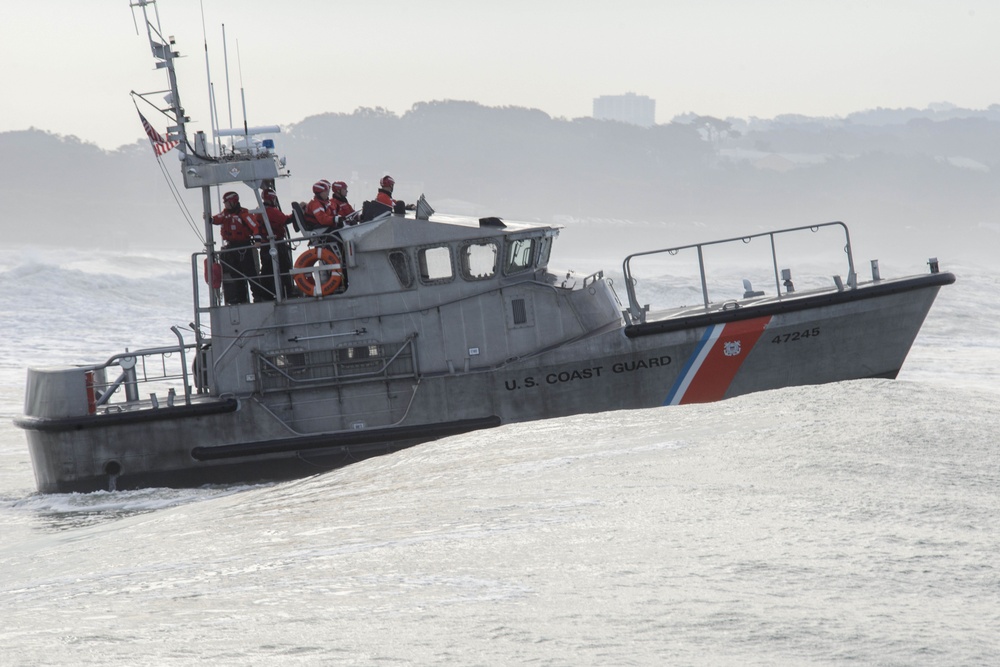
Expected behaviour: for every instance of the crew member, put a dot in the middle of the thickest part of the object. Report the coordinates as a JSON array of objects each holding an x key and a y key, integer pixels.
[
  {"x": 320, "y": 211},
  {"x": 343, "y": 210},
  {"x": 279, "y": 225},
  {"x": 239, "y": 256},
  {"x": 385, "y": 187},
  {"x": 384, "y": 195}
]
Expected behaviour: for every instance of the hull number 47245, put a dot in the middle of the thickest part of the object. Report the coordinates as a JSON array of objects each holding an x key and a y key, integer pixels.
[{"x": 796, "y": 335}]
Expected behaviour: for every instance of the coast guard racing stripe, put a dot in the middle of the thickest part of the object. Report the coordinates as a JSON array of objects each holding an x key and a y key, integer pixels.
[{"x": 716, "y": 360}]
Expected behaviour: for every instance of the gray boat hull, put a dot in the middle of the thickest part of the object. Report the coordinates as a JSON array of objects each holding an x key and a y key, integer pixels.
[{"x": 829, "y": 337}]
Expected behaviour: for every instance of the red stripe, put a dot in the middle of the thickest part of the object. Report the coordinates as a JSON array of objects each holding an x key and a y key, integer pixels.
[{"x": 719, "y": 368}]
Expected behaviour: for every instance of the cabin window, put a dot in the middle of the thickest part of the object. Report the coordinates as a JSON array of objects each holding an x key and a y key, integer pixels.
[
  {"x": 400, "y": 262},
  {"x": 435, "y": 264},
  {"x": 519, "y": 254},
  {"x": 544, "y": 248},
  {"x": 479, "y": 260},
  {"x": 358, "y": 353}
]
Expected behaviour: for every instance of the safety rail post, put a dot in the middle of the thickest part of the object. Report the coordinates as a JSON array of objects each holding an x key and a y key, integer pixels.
[
  {"x": 206, "y": 202},
  {"x": 701, "y": 268},
  {"x": 184, "y": 369},
  {"x": 127, "y": 365},
  {"x": 774, "y": 263},
  {"x": 196, "y": 291},
  {"x": 635, "y": 313},
  {"x": 852, "y": 276},
  {"x": 270, "y": 248}
]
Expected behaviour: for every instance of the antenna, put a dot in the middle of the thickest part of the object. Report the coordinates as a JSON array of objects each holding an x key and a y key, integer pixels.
[
  {"x": 229, "y": 99},
  {"x": 243, "y": 99},
  {"x": 213, "y": 116}
]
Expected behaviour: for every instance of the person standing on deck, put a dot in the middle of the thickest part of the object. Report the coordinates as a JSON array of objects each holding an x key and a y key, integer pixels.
[
  {"x": 238, "y": 258},
  {"x": 279, "y": 225}
]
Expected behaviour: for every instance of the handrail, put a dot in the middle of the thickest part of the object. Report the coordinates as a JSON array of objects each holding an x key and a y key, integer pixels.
[
  {"x": 380, "y": 373},
  {"x": 258, "y": 282},
  {"x": 130, "y": 379},
  {"x": 592, "y": 278},
  {"x": 638, "y": 314}
]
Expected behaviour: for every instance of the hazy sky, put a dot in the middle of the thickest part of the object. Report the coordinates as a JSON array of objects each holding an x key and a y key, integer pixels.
[{"x": 67, "y": 66}]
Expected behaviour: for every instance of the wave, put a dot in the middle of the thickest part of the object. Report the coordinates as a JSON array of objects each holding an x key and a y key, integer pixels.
[
  {"x": 33, "y": 259},
  {"x": 76, "y": 306},
  {"x": 58, "y": 512},
  {"x": 841, "y": 415}
]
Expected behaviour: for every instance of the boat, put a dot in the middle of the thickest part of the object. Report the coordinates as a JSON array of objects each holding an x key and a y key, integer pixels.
[{"x": 411, "y": 326}]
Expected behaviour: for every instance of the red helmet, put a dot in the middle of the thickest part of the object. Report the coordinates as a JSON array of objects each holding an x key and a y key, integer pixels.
[
  {"x": 321, "y": 186},
  {"x": 269, "y": 197},
  {"x": 387, "y": 181},
  {"x": 231, "y": 198},
  {"x": 338, "y": 185}
]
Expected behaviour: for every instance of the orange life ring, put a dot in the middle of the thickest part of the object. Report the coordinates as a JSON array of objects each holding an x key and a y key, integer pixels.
[{"x": 322, "y": 261}]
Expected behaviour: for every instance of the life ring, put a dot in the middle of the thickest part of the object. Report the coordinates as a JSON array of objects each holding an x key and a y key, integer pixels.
[{"x": 321, "y": 261}]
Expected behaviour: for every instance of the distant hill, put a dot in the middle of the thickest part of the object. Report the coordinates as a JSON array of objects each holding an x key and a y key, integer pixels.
[{"x": 895, "y": 173}]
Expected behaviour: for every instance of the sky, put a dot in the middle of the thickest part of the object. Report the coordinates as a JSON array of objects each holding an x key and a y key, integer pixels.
[{"x": 67, "y": 66}]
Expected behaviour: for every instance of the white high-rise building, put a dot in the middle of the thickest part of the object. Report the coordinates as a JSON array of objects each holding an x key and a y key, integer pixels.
[{"x": 627, "y": 108}]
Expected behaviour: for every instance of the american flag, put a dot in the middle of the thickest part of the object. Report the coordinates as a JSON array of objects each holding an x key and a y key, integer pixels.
[{"x": 160, "y": 145}]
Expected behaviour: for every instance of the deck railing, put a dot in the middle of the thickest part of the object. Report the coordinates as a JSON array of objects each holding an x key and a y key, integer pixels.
[
  {"x": 161, "y": 368},
  {"x": 637, "y": 313}
]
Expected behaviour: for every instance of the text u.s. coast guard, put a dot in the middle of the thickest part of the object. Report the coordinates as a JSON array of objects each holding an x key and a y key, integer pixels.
[{"x": 589, "y": 373}]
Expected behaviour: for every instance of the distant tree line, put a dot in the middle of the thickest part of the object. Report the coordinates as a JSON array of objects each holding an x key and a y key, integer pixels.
[{"x": 523, "y": 164}]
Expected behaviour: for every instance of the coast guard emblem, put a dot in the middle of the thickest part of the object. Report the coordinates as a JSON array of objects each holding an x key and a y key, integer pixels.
[{"x": 731, "y": 348}]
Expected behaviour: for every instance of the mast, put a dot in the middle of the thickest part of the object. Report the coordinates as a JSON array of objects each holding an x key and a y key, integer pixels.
[
  {"x": 164, "y": 55},
  {"x": 251, "y": 163}
]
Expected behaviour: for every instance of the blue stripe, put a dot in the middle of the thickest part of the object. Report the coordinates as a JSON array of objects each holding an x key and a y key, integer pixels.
[{"x": 690, "y": 362}]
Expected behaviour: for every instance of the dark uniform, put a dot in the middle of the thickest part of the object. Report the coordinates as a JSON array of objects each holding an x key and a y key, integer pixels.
[
  {"x": 279, "y": 225},
  {"x": 239, "y": 256}
]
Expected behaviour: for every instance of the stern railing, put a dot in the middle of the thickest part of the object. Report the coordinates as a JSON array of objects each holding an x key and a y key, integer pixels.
[{"x": 150, "y": 368}]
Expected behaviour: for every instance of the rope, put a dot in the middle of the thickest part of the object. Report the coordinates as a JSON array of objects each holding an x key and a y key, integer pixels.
[
  {"x": 175, "y": 192},
  {"x": 171, "y": 185}
]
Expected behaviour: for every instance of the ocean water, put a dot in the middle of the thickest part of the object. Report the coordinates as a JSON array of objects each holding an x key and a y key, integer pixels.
[{"x": 851, "y": 523}]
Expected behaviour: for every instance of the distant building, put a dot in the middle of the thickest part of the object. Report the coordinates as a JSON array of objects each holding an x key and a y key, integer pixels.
[{"x": 627, "y": 108}]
